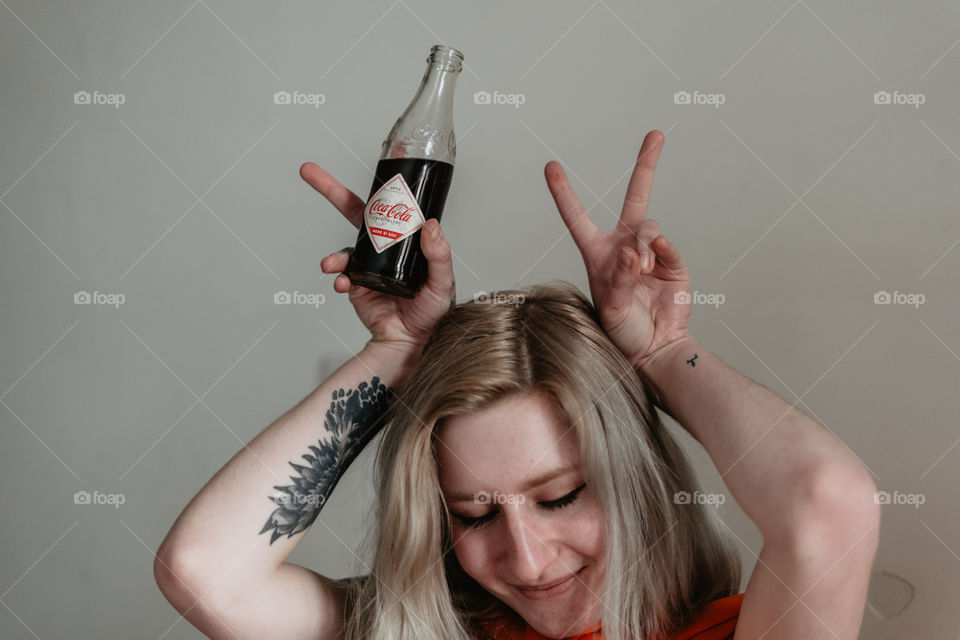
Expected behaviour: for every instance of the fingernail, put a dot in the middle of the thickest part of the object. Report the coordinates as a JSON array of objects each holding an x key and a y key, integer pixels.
[{"x": 645, "y": 260}]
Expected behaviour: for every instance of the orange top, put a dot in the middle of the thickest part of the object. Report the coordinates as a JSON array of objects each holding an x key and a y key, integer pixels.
[{"x": 716, "y": 621}]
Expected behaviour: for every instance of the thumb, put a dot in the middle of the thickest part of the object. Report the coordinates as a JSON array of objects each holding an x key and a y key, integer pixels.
[{"x": 439, "y": 261}]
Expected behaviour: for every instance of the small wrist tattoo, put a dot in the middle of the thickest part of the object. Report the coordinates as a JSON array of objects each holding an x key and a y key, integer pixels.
[{"x": 692, "y": 361}]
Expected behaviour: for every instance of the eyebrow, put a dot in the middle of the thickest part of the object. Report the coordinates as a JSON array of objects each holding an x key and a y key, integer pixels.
[{"x": 542, "y": 479}]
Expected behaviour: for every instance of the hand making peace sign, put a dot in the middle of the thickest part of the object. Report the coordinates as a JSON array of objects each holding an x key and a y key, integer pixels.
[{"x": 633, "y": 270}]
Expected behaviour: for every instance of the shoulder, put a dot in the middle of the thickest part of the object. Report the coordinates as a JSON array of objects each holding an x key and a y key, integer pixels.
[{"x": 716, "y": 621}]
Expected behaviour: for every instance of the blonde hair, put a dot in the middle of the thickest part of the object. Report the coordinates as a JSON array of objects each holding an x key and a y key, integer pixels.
[{"x": 664, "y": 561}]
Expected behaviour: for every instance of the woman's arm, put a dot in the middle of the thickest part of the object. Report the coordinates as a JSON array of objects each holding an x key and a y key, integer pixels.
[
  {"x": 809, "y": 495},
  {"x": 776, "y": 461},
  {"x": 766, "y": 451},
  {"x": 222, "y": 563}
]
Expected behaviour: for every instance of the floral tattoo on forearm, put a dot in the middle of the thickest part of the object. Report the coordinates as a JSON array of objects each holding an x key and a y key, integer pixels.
[{"x": 353, "y": 419}]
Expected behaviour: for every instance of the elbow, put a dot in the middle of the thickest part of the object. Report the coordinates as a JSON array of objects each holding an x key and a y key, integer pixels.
[
  {"x": 170, "y": 572},
  {"x": 842, "y": 503},
  {"x": 180, "y": 575}
]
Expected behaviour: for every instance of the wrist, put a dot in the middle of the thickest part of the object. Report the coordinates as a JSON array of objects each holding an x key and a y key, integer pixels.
[
  {"x": 654, "y": 365},
  {"x": 402, "y": 357},
  {"x": 656, "y": 368}
]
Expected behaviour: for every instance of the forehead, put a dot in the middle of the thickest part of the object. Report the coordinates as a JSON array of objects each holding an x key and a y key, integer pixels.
[{"x": 511, "y": 440}]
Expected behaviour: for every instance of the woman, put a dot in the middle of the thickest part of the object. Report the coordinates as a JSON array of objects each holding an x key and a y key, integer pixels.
[
  {"x": 519, "y": 435},
  {"x": 508, "y": 393}
]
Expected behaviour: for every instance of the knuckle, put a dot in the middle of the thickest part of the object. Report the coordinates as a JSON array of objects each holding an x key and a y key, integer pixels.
[
  {"x": 648, "y": 231},
  {"x": 637, "y": 199}
]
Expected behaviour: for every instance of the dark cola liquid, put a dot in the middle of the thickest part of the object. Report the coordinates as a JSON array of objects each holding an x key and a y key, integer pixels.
[{"x": 401, "y": 269}]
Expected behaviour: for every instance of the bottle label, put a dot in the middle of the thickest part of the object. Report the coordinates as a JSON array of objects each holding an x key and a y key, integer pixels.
[{"x": 392, "y": 214}]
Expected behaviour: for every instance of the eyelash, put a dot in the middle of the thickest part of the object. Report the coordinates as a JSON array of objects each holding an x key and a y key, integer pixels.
[{"x": 559, "y": 503}]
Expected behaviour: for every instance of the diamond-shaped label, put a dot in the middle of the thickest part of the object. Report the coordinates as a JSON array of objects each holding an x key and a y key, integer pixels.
[{"x": 392, "y": 214}]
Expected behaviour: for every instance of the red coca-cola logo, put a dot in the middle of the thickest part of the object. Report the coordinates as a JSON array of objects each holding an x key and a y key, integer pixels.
[{"x": 398, "y": 211}]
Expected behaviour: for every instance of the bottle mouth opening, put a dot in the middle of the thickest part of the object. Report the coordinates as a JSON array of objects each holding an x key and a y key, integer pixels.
[{"x": 447, "y": 56}]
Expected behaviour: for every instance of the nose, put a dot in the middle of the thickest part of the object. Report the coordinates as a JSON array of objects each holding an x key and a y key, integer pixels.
[{"x": 527, "y": 547}]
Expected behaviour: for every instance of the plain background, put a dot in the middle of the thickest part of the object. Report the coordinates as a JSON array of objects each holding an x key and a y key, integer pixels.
[{"x": 797, "y": 200}]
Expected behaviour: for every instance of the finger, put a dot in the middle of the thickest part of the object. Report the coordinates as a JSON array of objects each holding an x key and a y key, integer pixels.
[
  {"x": 341, "y": 284},
  {"x": 576, "y": 218},
  {"x": 669, "y": 257},
  {"x": 619, "y": 298},
  {"x": 335, "y": 262},
  {"x": 645, "y": 235},
  {"x": 347, "y": 202},
  {"x": 440, "y": 280},
  {"x": 641, "y": 182}
]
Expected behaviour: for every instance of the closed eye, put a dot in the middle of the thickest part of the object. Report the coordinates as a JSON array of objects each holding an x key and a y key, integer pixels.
[
  {"x": 552, "y": 505},
  {"x": 570, "y": 498}
]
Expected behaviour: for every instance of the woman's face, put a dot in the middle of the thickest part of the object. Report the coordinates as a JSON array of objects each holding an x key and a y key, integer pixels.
[{"x": 522, "y": 515}]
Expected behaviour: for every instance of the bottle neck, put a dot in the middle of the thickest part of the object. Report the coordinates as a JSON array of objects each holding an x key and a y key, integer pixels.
[
  {"x": 434, "y": 99},
  {"x": 425, "y": 130}
]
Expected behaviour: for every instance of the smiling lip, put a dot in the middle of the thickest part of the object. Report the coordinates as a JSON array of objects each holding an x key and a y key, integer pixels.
[{"x": 549, "y": 591}]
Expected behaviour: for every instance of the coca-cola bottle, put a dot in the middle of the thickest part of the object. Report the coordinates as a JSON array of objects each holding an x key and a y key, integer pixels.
[{"x": 410, "y": 186}]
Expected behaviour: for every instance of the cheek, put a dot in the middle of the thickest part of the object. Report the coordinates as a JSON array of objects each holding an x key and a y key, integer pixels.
[
  {"x": 589, "y": 533},
  {"x": 472, "y": 554}
]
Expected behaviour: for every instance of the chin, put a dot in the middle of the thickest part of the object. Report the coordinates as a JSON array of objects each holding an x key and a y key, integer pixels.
[
  {"x": 562, "y": 617},
  {"x": 566, "y": 626}
]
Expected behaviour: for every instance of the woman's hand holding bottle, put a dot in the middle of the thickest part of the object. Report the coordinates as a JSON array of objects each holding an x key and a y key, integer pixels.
[{"x": 404, "y": 324}]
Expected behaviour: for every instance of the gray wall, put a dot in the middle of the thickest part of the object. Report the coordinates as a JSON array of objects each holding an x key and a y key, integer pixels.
[{"x": 797, "y": 199}]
